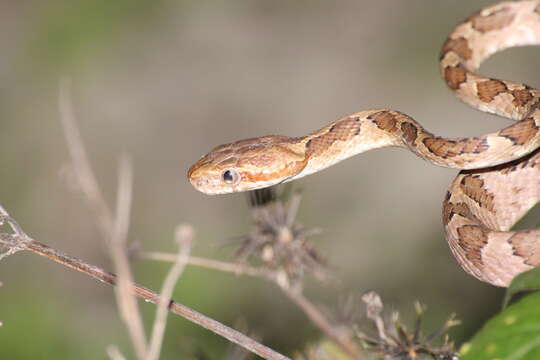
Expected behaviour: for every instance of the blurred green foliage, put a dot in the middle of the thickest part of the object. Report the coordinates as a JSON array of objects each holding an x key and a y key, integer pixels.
[
  {"x": 512, "y": 334},
  {"x": 65, "y": 33}
]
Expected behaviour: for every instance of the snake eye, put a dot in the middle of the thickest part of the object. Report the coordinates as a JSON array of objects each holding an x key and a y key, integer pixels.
[{"x": 230, "y": 177}]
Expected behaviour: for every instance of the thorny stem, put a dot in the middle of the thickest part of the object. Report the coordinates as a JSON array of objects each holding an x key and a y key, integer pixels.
[
  {"x": 295, "y": 296},
  {"x": 27, "y": 243}
]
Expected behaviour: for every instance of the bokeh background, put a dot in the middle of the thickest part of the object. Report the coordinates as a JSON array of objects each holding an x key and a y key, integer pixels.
[{"x": 164, "y": 81}]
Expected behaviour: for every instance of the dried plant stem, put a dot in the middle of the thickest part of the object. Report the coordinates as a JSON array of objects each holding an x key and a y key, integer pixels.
[
  {"x": 184, "y": 238},
  {"x": 237, "y": 269},
  {"x": 81, "y": 165},
  {"x": 295, "y": 296},
  {"x": 320, "y": 320},
  {"x": 26, "y": 243},
  {"x": 127, "y": 304},
  {"x": 114, "y": 353},
  {"x": 114, "y": 229}
]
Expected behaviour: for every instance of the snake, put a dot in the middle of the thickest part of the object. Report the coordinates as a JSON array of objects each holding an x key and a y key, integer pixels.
[{"x": 499, "y": 178}]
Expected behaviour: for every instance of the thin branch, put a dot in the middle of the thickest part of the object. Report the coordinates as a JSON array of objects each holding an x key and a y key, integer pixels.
[
  {"x": 320, "y": 320},
  {"x": 114, "y": 353},
  {"x": 114, "y": 230},
  {"x": 9, "y": 252},
  {"x": 87, "y": 180},
  {"x": 15, "y": 227},
  {"x": 294, "y": 204},
  {"x": 184, "y": 238},
  {"x": 129, "y": 310},
  {"x": 228, "y": 333},
  {"x": 237, "y": 269},
  {"x": 297, "y": 297},
  {"x": 17, "y": 233}
]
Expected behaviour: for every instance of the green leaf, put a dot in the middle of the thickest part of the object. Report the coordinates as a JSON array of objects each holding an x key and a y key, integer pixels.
[
  {"x": 513, "y": 334},
  {"x": 527, "y": 281}
]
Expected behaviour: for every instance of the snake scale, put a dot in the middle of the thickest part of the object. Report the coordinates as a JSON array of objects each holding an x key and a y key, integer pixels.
[{"x": 499, "y": 179}]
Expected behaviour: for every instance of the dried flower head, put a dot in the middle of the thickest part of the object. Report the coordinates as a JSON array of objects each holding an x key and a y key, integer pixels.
[
  {"x": 276, "y": 239},
  {"x": 12, "y": 237},
  {"x": 395, "y": 342}
]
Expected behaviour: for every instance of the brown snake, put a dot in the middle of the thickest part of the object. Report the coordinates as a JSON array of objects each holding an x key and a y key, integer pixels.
[{"x": 500, "y": 177}]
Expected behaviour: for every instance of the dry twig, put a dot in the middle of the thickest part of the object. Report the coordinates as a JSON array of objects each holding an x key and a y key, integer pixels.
[
  {"x": 184, "y": 238},
  {"x": 127, "y": 304},
  {"x": 294, "y": 295},
  {"x": 395, "y": 341},
  {"x": 286, "y": 254},
  {"x": 116, "y": 228},
  {"x": 85, "y": 176},
  {"x": 23, "y": 242},
  {"x": 114, "y": 353}
]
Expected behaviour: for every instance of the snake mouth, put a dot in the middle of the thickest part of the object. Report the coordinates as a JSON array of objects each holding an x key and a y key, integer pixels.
[
  {"x": 208, "y": 185},
  {"x": 202, "y": 184},
  {"x": 190, "y": 172}
]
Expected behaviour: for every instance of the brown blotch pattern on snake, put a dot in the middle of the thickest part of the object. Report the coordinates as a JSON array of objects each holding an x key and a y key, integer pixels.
[
  {"x": 410, "y": 132},
  {"x": 521, "y": 132},
  {"x": 522, "y": 97},
  {"x": 460, "y": 46},
  {"x": 474, "y": 188},
  {"x": 497, "y": 20},
  {"x": 450, "y": 209},
  {"x": 446, "y": 148},
  {"x": 472, "y": 239},
  {"x": 526, "y": 245},
  {"x": 455, "y": 76},
  {"x": 487, "y": 90},
  {"x": 384, "y": 120},
  {"x": 343, "y": 130},
  {"x": 473, "y": 145}
]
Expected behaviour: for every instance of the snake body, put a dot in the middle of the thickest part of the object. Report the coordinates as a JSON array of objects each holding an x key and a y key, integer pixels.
[{"x": 500, "y": 172}]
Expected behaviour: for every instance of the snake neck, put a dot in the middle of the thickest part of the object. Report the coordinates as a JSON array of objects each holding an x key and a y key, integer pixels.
[
  {"x": 354, "y": 134},
  {"x": 374, "y": 129}
]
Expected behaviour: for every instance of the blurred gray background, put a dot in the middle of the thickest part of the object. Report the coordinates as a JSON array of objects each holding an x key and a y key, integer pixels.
[{"x": 164, "y": 81}]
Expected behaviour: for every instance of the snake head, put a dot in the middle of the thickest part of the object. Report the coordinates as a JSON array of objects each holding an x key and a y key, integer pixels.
[{"x": 248, "y": 165}]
